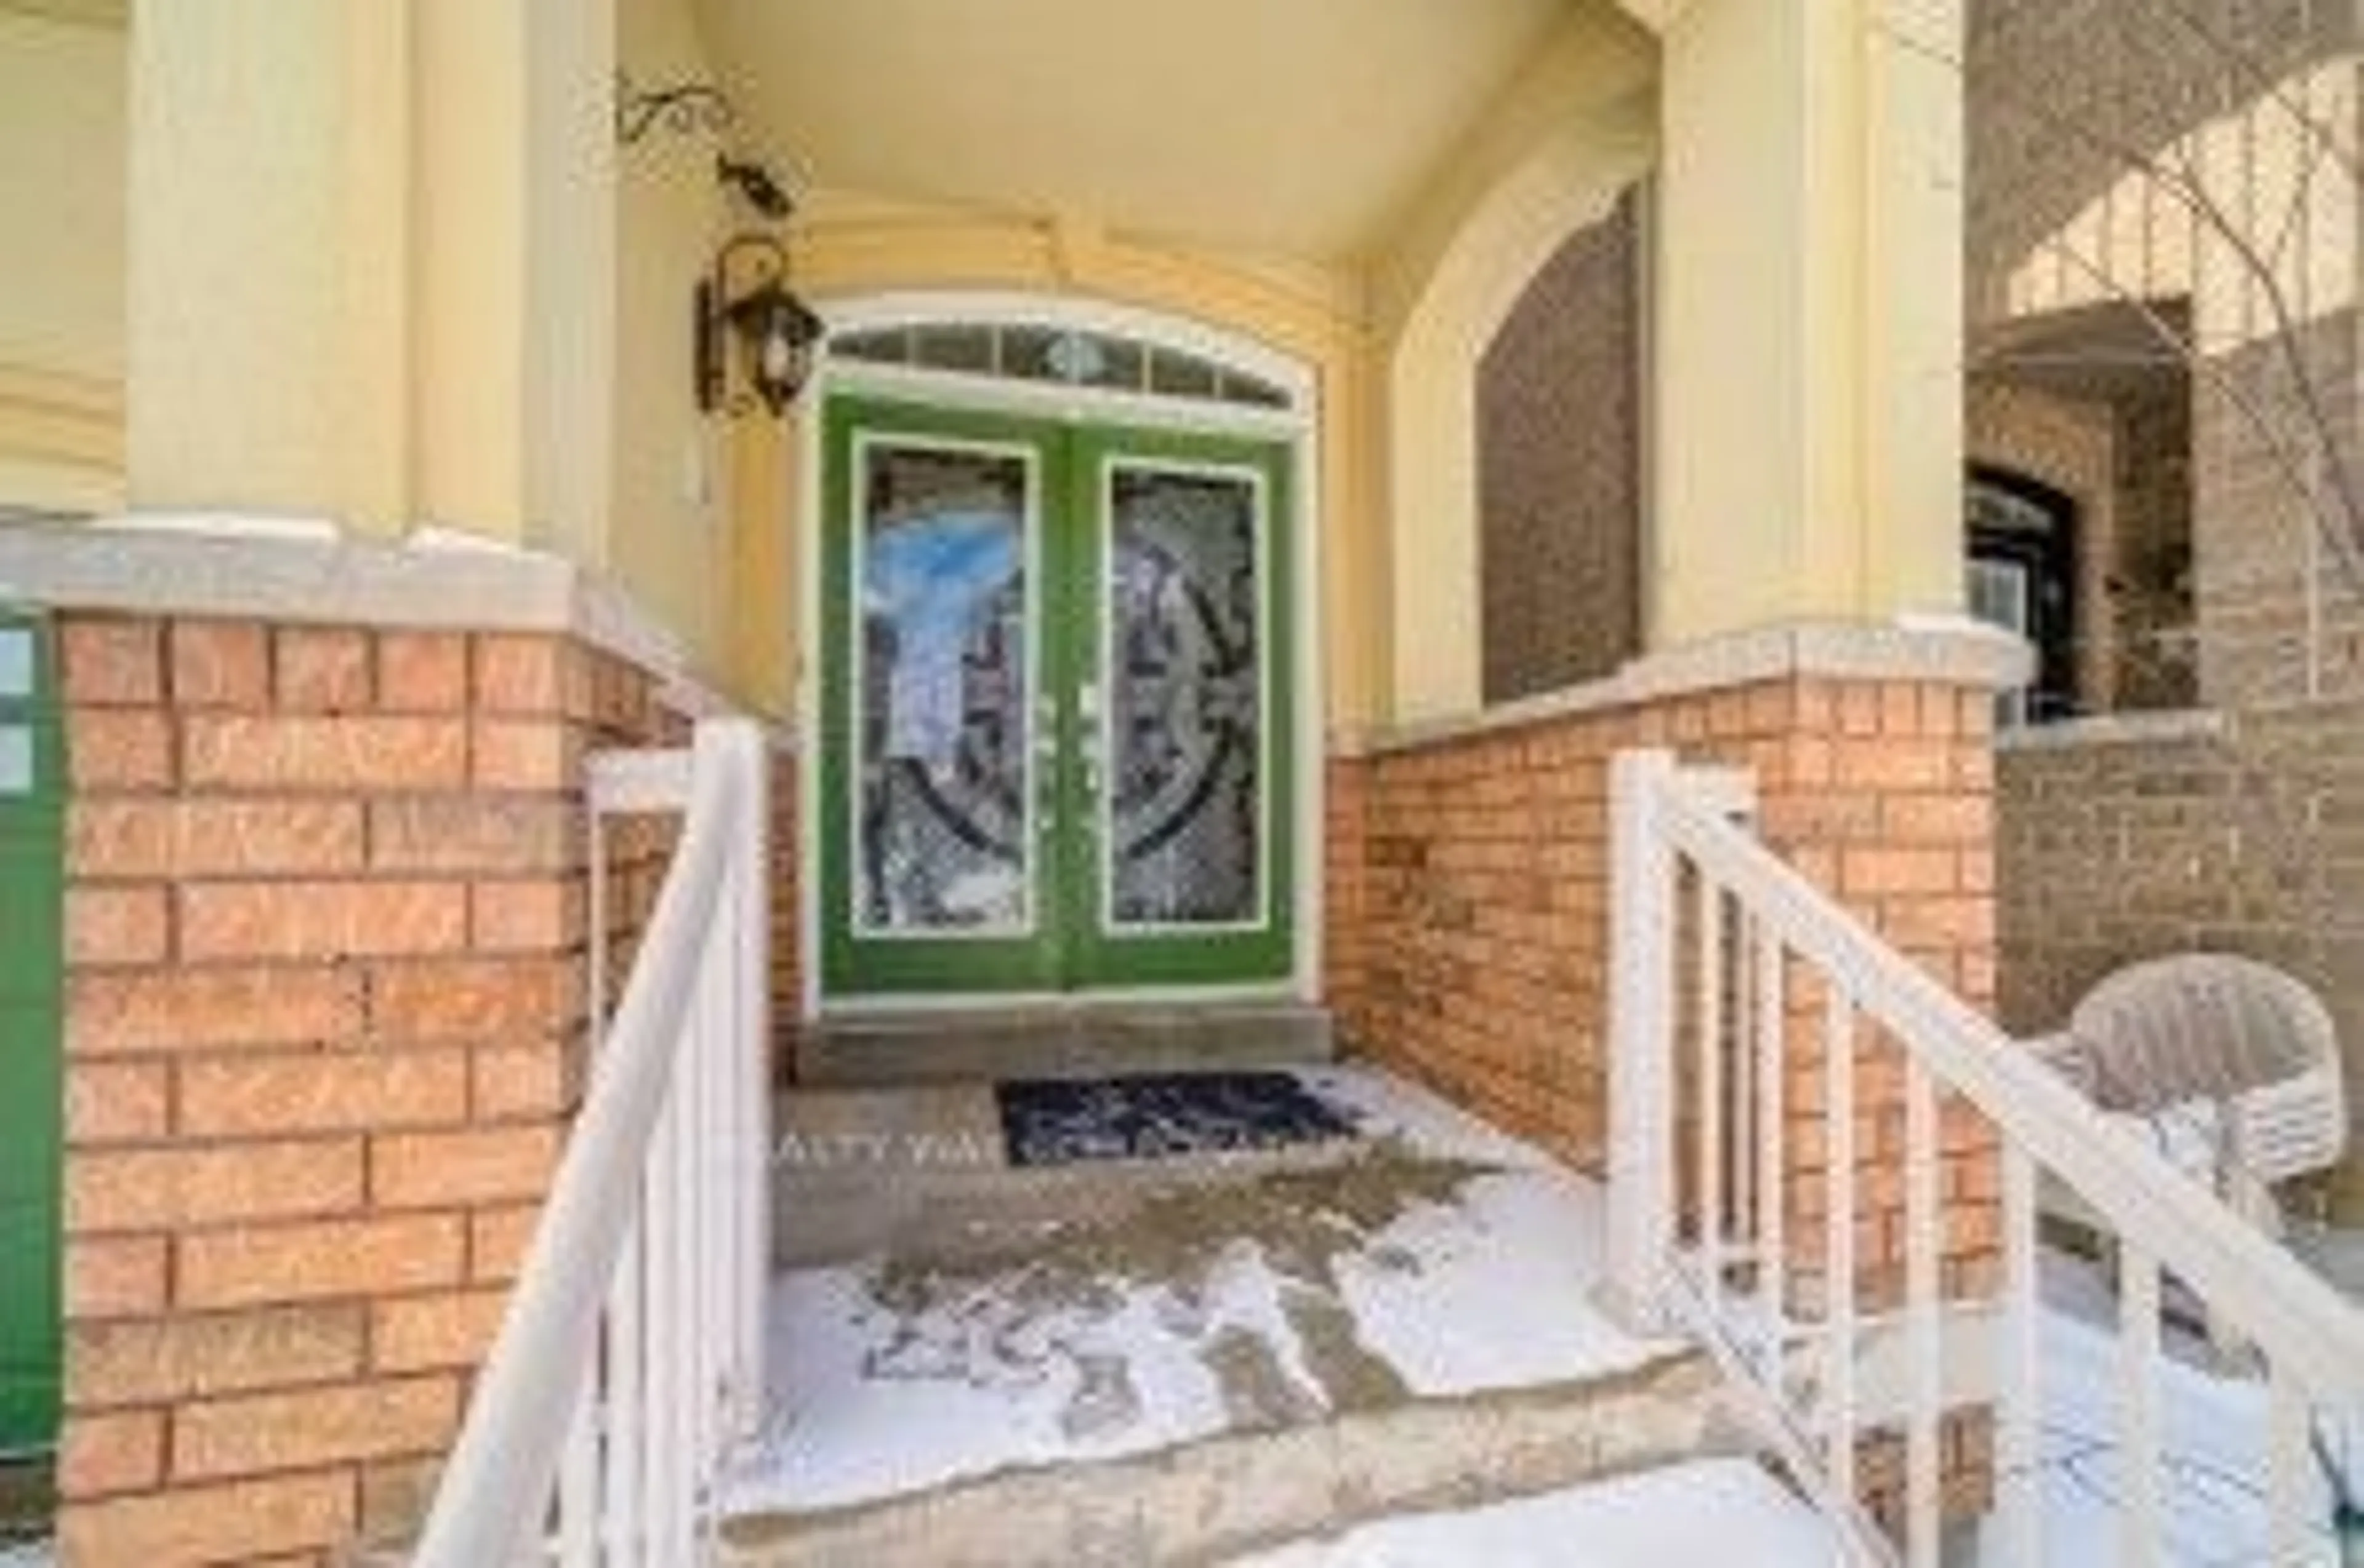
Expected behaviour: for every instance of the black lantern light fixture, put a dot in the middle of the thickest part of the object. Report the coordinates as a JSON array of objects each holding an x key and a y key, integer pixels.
[
  {"x": 745, "y": 295},
  {"x": 776, "y": 332}
]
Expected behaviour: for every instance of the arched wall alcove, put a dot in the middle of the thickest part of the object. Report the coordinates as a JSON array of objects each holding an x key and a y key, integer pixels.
[{"x": 1568, "y": 177}]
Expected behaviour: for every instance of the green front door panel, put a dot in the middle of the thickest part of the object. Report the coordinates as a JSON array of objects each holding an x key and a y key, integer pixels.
[
  {"x": 1055, "y": 707},
  {"x": 1182, "y": 789},
  {"x": 32, "y": 962},
  {"x": 937, "y": 845}
]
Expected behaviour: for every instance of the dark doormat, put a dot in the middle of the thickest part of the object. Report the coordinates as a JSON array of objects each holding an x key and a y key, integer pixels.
[{"x": 1056, "y": 1121}]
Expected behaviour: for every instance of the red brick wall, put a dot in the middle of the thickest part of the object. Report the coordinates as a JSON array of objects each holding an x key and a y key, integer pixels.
[
  {"x": 1346, "y": 864},
  {"x": 1474, "y": 938},
  {"x": 1470, "y": 949},
  {"x": 327, "y": 911}
]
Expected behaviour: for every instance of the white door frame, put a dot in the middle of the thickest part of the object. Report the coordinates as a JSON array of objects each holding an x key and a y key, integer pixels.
[{"x": 1297, "y": 427}]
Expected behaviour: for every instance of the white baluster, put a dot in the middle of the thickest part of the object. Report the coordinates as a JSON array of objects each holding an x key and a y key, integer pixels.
[
  {"x": 1740, "y": 1174},
  {"x": 2020, "y": 1450},
  {"x": 665, "y": 1338},
  {"x": 731, "y": 1170},
  {"x": 2288, "y": 1467},
  {"x": 681, "y": 1399},
  {"x": 1772, "y": 1219},
  {"x": 579, "y": 1502},
  {"x": 723, "y": 1173},
  {"x": 1709, "y": 979},
  {"x": 1923, "y": 1239},
  {"x": 751, "y": 1183},
  {"x": 707, "y": 1038},
  {"x": 626, "y": 1478},
  {"x": 1838, "y": 1286},
  {"x": 2138, "y": 1456}
]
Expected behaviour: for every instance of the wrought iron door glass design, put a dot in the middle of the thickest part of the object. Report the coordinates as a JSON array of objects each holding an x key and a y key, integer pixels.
[
  {"x": 1184, "y": 841},
  {"x": 945, "y": 666}
]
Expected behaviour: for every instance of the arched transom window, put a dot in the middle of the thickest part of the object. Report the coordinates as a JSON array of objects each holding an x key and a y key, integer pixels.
[{"x": 1040, "y": 352}]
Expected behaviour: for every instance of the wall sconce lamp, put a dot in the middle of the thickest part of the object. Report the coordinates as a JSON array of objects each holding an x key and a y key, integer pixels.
[{"x": 775, "y": 330}]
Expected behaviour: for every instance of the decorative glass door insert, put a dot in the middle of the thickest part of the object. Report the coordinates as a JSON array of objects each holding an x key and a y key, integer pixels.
[
  {"x": 943, "y": 535},
  {"x": 1056, "y": 706}
]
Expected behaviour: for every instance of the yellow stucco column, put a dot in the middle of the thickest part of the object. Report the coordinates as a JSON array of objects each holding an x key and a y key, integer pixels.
[
  {"x": 369, "y": 263},
  {"x": 1808, "y": 419},
  {"x": 251, "y": 350}
]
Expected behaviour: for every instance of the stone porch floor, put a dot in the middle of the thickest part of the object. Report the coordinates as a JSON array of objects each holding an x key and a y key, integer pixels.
[{"x": 946, "y": 1325}]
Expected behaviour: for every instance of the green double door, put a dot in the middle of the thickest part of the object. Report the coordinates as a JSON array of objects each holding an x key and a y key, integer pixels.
[
  {"x": 32, "y": 959},
  {"x": 1056, "y": 691}
]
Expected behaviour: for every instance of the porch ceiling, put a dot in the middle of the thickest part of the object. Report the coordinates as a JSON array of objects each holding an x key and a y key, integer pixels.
[{"x": 1293, "y": 128}]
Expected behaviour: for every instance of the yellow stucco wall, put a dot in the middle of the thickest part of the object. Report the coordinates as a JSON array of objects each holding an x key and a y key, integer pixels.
[
  {"x": 467, "y": 241},
  {"x": 1731, "y": 378},
  {"x": 328, "y": 278},
  {"x": 61, "y": 148},
  {"x": 237, "y": 346},
  {"x": 1809, "y": 325},
  {"x": 573, "y": 230},
  {"x": 670, "y": 534},
  {"x": 764, "y": 494},
  {"x": 61, "y": 247}
]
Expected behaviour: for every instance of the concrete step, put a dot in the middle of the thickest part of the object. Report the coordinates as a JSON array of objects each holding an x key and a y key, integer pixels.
[
  {"x": 1699, "y": 1511},
  {"x": 1209, "y": 1501},
  {"x": 1080, "y": 1039},
  {"x": 1181, "y": 1360}
]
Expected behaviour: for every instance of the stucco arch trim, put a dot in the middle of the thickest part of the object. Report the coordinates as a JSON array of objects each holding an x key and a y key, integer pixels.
[
  {"x": 1309, "y": 313},
  {"x": 1571, "y": 180}
]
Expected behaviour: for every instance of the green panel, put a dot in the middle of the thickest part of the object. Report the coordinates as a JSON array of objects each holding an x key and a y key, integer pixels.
[
  {"x": 32, "y": 962},
  {"x": 1107, "y": 948}
]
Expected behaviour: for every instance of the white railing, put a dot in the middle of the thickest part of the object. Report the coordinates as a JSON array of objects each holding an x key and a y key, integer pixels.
[
  {"x": 1786, "y": 1088},
  {"x": 631, "y": 1355}
]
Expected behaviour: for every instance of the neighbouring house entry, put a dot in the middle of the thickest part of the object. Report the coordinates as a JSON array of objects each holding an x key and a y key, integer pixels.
[
  {"x": 1056, "y": 704},
  {"x": 2023, "y": 578}
]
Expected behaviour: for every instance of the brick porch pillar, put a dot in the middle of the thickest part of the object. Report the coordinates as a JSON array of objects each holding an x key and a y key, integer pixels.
[{"x": 326, "y": 924}]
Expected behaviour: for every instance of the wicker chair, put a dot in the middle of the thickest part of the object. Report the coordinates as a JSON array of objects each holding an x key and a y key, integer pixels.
[{"x": 2230, "y": 1066}]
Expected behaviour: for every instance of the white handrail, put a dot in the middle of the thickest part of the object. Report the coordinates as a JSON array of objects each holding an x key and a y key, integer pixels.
[
  {"x": 643, "y": 1282},
  {"x": 1664, "y": 820}
]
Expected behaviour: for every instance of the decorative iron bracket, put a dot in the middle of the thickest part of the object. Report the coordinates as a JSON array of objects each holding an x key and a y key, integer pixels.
[{"x": 686, "y": 109}]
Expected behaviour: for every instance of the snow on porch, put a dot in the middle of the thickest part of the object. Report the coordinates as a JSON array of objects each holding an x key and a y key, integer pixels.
[
  {"x": 1022, "y": 1319},
  {"x": 1698, "y": 1512}
]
